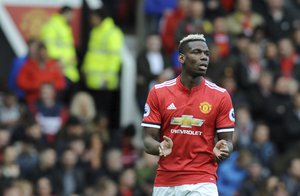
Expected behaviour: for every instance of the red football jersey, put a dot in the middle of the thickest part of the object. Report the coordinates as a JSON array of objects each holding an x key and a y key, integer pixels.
[{"x": 191, "y": 118}]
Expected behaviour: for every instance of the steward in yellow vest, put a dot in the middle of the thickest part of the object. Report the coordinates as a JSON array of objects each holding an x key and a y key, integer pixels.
[
  {"x": 102, "y": 61},
  {"x": 59, "y": 40}
]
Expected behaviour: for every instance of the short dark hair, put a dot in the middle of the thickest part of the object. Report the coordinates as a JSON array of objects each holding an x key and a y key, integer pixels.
[
  {"x": 65, "y": 9},
  {"x": 41, "y": 45},
  {"x": 100, "y": 12},
  {"x": 183, "y": 48},
  {"x": 191, "y": 37}
]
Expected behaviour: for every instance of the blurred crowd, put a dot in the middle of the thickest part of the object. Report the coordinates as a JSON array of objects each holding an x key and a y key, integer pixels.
[{"x": 59, "y": 116}]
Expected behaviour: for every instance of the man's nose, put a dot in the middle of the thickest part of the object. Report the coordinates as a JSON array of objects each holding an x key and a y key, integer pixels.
[{"x": 203, "y": 57}]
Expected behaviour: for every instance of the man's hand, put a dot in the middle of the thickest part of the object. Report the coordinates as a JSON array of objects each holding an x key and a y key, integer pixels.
[
  {"x": 165, "y": 147},
  {"x": 222, "y": 150}
]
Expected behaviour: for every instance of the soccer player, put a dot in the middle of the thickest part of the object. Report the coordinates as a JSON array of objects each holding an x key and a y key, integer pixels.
[{"x": 182, "y": 118}]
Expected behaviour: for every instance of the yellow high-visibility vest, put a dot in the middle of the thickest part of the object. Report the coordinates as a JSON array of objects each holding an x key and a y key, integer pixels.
[
  {"x": 102, "y": 62},
  {"x": 58, "y": 38}
]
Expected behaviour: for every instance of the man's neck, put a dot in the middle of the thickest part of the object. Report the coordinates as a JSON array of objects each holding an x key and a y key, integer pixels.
[{"x": 190, "y": 81}]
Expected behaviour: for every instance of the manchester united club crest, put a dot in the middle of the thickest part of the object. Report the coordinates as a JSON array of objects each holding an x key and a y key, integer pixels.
[{"x": 205, "y": 107}]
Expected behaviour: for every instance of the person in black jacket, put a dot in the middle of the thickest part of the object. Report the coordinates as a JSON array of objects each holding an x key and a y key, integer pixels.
[
  {"x": 151, "y": 63},
  {"x": 278, "y": 20},
  {"x": 292, "y": 121}
]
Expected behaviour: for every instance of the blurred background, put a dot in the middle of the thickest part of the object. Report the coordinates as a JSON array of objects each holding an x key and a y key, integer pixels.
[{"x": 74, "y": 78}]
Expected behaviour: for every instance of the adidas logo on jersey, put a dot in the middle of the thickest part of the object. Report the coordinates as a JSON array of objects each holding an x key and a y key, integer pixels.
[{"x": 171, "y": 107}]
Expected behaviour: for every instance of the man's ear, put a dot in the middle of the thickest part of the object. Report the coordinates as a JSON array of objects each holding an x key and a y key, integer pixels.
[{"x": 181, "y": 58}]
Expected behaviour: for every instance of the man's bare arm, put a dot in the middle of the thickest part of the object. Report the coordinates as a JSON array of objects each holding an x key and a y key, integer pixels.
[
  {"x": 224, "y": 146},
  {"x": 151, "y": 141},
  {"x": 227, "y": 136}
]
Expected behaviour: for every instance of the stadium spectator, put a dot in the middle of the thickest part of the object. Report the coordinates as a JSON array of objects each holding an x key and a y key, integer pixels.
[
  {"x": 154, "y": 10},
  {"x": 151, "y": 62},
  {"x": 260, "y": 38},
  {"x": 261, "y": 146},
  {"x": 12, "y": 190},
  {"x": 276, "y": 110},
  {"x": 36, "y": 72},
  {"x": 5, "y": 139},
  {"x": 82, "y": 106},
  {"x": 113, "y": 163},
  {"x": 78, "y": 146},
  {"x": 259, "y": 94},
  {"x": 214, "y": 9},
  {"x": 124, "y": 141},
  {"x": 244, "y": 125},
  {"x": 194, "y": 22},
  {"x": 93, "y": 157},
  {"x": 49, "y": 112},
  {"x": 254, "y": 181},
  {"x": 219, "y": 67},
  {"x": 269, "y": 185},
  {"x": 10, "y": 111},
  {"x": 233, "y": 171},
  {"x": 100, "y": 125},
  {"x": 127, "y": 182},
  {"x": 102, "y": 63},
  {"x": 221, "y": 37},
  {"x": 292, "y": 121},
  {"x": 27, "y": 159},
  {"x": 243, "y": 19},
  {"x": 58, "y": 37},
  {"x": 293, "y": 7},
  {"x": 72, "y": 130},
  {"x": 169, "y": 25},
  {"x": 296, "y": 39},
  {"x": 230, "y": 84},
  {"x": 32, "y": 133},
  {"x": 289, "y": 59},
  {"x": 271, "y": 58},
  {"x": 292, "y": 178},
  {"x": 145, "y": 171},
  {"x": 106, "y": 186},
  {"x": 68, "y": 178},
  {"x": 10, "y": 170},
  {"x": 25, "y": 186},
  {"x": 278, "y": 20},
  {"x": 46, "y": 166},
  {"x": 239, "y": 48},
  {"x": 250, "y": 68},
  {"x": 44, "y": 187},
  {"x": 17, "y": 64}
]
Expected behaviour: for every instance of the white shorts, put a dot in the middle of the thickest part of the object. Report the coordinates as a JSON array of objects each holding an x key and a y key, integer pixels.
[{"x": 200, "y": 189}]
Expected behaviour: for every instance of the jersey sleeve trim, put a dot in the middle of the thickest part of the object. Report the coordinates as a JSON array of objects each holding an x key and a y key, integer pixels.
[
  {"x": 151, "y": 125},
  {"x": 225, "y": 129}
]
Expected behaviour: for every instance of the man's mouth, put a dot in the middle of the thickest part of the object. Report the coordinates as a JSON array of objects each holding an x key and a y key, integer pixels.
[{"x": 203, "y": 66}]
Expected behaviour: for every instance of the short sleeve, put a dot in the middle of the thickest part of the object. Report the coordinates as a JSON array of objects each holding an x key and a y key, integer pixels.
[
  {"x": 152, "y": 115},
  {"x": 225, "y": 118}
]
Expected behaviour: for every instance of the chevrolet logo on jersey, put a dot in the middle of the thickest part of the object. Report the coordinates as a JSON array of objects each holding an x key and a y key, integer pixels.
[{"x": 187, "y": 121}]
